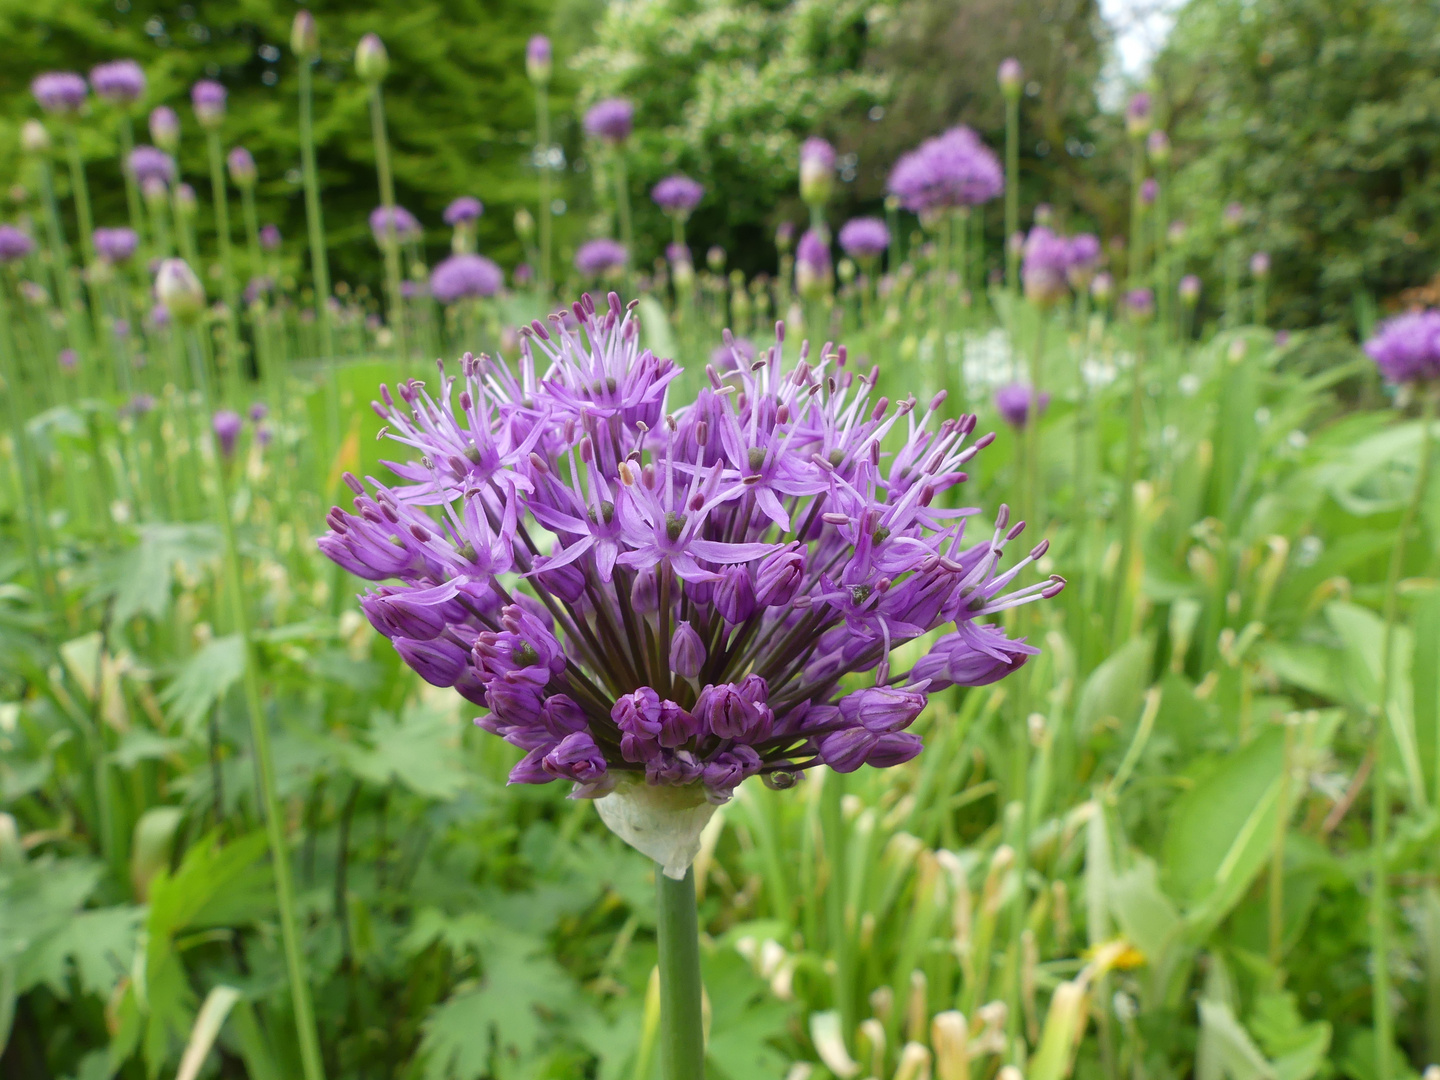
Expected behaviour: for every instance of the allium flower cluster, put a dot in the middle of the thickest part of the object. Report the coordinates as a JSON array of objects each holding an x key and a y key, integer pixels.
[
  {"x": 1046, "y": 267},
  {"x": 682, "y": 596},
  {"x": 612, "y": 120},
  {"x": 465, "y": 210},
  {"x": 465, "y": 276},
  {"x": 59, "y": 92},
  {"x": 812, "y": 265},
  {"x": 1084, "y": 259},
  {"x": 152, "y": 164},
  {"x": 864, "y": 238},
  {"x": 950, "y": 170},
  {"x": 393, "y": 224},
  {"x": 597, "y": 257},
  {"x": 1407, "y": 347},
  {"x": 208, "y": 98},
  {"x": 14, "y": 244},
  {"x": 120, "y": 82},
  {"x": 678, "y": 194},
  {"x": 115, "y": 245}
]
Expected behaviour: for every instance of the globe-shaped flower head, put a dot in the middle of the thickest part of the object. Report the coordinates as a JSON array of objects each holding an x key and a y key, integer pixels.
[
  {"x": 465, "y": 277},
  {"x": 60, "y": 93},
  {"x": 242, "y": 167},
  {"x": 817, "y": 171},
  {"x": 864, "y": 239},
  {"x": 1406, "y": 348},
  {"x": 465, "y": 210},
  {"x": 1189, "y": 290},
  {"x": 15, "y": 244},
  {"x": 393, "y": 225},
  {"x": 538, "y": 59},
  {"x": 150, "y": 163},
  {"x": 270, "y": 237},
  {"x": 612, "y": 120},
  {"x": 1017, "y": 404},
  {"x": 120, "y": 82},
  {"x": 951, "y": 170},
  {"x": 813, "y": 277},
  {"x": 1011, "y": 77},
  {"x": 165, "y": 128},
  {"x": 1138, "y": 115},
  {"x": 599, "y": 258},
  {"x": 208, "y": 98},
  {"x": 1046, "y": 266},
  {"x": 677, "y": 195},
  {"x": 115, "y": 245},
  {"x": 1084, "y": 259}
]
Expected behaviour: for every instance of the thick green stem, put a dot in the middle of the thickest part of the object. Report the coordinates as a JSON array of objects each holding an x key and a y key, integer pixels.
[
  {"x": 80, "y": 191},
  {"x": 1119, "y": 623},
  {"x": 542, "y": 120},
  {"x": 682, "y": 1033},
  {"x": 622, "y": 206},
  {"x": 832, "y": 825},
  {"x": 1012, "y": 190},
  {"x": 387, "y": 200},
  {"x": 319, "y": 260},
  {"x": 296, "y": 972},
  {"x": 1384, "y": 1019}
]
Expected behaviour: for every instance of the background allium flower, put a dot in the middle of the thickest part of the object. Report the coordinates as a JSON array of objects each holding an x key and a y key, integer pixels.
[
  {"x": 165, "y": 128},
  {"x": 538, "y": 59},
  {"x": 719, "y": 570},
  {"x": 612, "y": 120},
  {"x": 1102, "y": 287},
  {"x": 784, "y": 235},
  {"x": 372, "y": 61},
  {"x": 465, "y": 276},
  {"x": 242, "y": 167},
  {"x": 1157, "y": 147},
  {"x": 1010, "y": 76},
  {"x": 270, "y": 237},
  {"x": 597, "y": 257},
  {"x": 465, "y": 210},
  {"x": 1149, "y": 190},
  {"x": 678, "y": 194},
  {"x": 1407, "y": 347},
  {"x": 1260, "y": 264},
  {"x": 14, "y": 243},
  {"x": 208, "y": 99},
  {"x": 1084, "y": 259},
  {"x": 1140, "y": 304},
  {"x": 150, "y": 163},
  {"x": 1232, "y": 217},
  {"x": 395, "y": 224},
  {"x": 864, "y": 238},
  {"x": 68, "y": 359},
  {"x": 812, "y": 265},
  {"x": 115, "y": 245},
  {"x": 1014, "y": 400},
  {"x": 120, "y": 82},
  {"x": 1046, "y": 266},
  {"x": 817, "y": 171},
  {"x": 226, "y": 425},
  {"x": 950, "y": 170},
  {"x": 1137, "y": 115},
  {"x": 1189, "y": 289},
  {"x": 59, "y": 92},
  {"x": 734, "y": 353}
]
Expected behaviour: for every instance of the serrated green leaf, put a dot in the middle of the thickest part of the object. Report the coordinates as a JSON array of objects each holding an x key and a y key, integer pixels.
[
  {"x": 419, "y": 751},
  {"x": 204, "y": 680},
  {"x": 100, "y": 943}
]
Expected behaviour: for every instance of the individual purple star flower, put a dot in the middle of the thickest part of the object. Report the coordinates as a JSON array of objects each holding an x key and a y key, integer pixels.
[
  {"x": 115, "y": 245},
  {"x": 393, "y": 224},
  {"x": 1015, "y": 401},
  {"x": 864, "y": 238},
  {"x": 596, "y": 258},
  {"x": 152, "y": 164},
  {"x": 120, "y": 82},
  {"x": 465, "y": 277},
  {"x": 656, "y": 600},
  {"x": 1406, "y": 348},
  {"x": 677, "y": 195},
  {"x": 951, "y": 170},
  {"x": 60, "y": 93},
  {"x": 464, "y": 211},
  {"x": 612, "y": 120},
  {"x": 15, "y": 244}
]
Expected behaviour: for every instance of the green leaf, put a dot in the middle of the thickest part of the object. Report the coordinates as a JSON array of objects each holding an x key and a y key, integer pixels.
[
  {"x": 1226, "y": 1049},
  {"x": 101, "y": 944},
  {"x": 139, "y": 579},
  {"x": 1297, "y": 1048},
  {"x": 38, "y": 898},
  {"x": 214, "y": 886},
  {"x": 1114, "y": 688},
  {"x": 204, "y": 680},
  {"x": 420, "y": 752}
]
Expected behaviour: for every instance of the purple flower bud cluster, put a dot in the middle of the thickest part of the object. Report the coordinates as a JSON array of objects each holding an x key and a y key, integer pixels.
[
  {"x": 597, "y": 257},
  {"x": 148, "y": 163},
  {"x": 950, "y": 170},
  {"x": 1406, "y": 348},
  {"x": 14, "y": 243},
  {"x": 612, "y": 120},
  {"x": 1045, "y": 271},
  {"x": 393, "y": 224},
  {"x": 864, "y": 238},
  {"x": 59, "y": 92},
  {"x": 464, "y": 211},
  {"x": 464, "y": 276},
  {"x": 120, "y": 82},
  {"x": 115, "y": 245},
  {"x": 719, "y": 570},
  {"x": 1014, "y": 403},
  {"x": 678, "y": 194}
]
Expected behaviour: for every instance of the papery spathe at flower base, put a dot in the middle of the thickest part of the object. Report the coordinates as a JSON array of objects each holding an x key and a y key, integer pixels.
[
  {"x": 817, "y": 171},
  {"x": 1260, "y": 264},
  {"x": 227, "y": 424},
  {"x": 372, "y": 62},
  {"x": 179, "y": 290},
  {"x": 1149, "y": 191},
  {"x": 1157, "y": 147},
  {"x": 1138, "y": 115},
  {"x": 759, "y": 532},
  {"x": 1084, "y": 259},
  {"x": 1011, "y": 77},
  {"x": 34, "y": 138}
]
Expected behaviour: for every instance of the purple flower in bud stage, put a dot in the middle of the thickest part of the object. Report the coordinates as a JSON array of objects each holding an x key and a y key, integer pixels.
[
  {"x": 598, "y": 258},
  {"x": 393, "y": 224},
  {"x": 1260, "y": 265},
  {"x": 612, "y": 120},
  {"x": 1102, "y": 287},
  {"x": 1157, "y": 147},
  {"x": 523, "y": 275},
  {"x": 14, "y": 244},
  {"x": 270, "y": 237},
  {"x": 164, "y": 128},
  {"x": 678, "y": 195},
  {"x": 1232, "y": 217},
  {"x": 864, "y": 238},
  {"x": 1406, "y": 348},
  {"x": 951, "y": 170},
  {"x": 60, "y": 93},
  {"x": 120, "y": 82},
  {"x": 538, "y": 59},
  {"x": 1010, "y": 77},
  {"x": 1149, "y": 191},
  {"x": 1138, "y": 115},
  {"x": 227, "y": 424},
  {"x": 1046, "y": 266},
  {"x": 1140, "y": 304},
  {"x": 720, "y": 569},
  {"x": 1013, "y": 402},
  {"x": 1189, "y": 290},
  {"x": 68, "y": 359},
  {"x": 1084, "y": 259},
  {"x": 784, "y": 236},
  {"x": 464, "y": 211},
  {"x": 115, "y": 245},
  {"x": 208, "y": 98},
  {"x": 465, "y": 277},
  {"x": 147, "y": 163},
  {"x": 241, "y": 166},
  {"x": 813, "y": 276},
  {"x": 817, "y": 171},
  {"x": 258, "y": 411}
]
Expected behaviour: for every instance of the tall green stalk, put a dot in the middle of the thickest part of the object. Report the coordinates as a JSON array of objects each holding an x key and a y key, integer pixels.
[
  {"x": 387, "y": 200},
  {"x": 622, "y": 207},
  {"x": 222, "y": 218},
  {"x": 1384, "y": 1019},
  {"x": 31, "y": 509},
  {"x": 125, "y": 129},
  {"x": 1012, "y": 189},
  {"x": 682, "y": 1032},
  {"x": 298, "y": 976},
  {"x": 319, "y": 260},
  {"x": 1135, "y": 263},
  {"x": 832, "y": 826},
  {"x": 542, "y": 121},
  {"x": 80, "y": 191},
  {"x": 1118, "y": 628}
]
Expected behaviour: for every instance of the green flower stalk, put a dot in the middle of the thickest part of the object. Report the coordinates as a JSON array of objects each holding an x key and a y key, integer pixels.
[
  {"x": 372, "y": 63},
  {"x": 538, "y": 65},
  {"x": 1011, "y": 78}
]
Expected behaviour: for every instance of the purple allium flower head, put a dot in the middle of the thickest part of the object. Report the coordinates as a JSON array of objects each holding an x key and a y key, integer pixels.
[
  {"x": 1189, "y": 290},
  {"x": 538, "y": 59},
  {"x": 242, "y": 167},
  {"x": 393, "y": 224},
  {"x": 523, "y": 275},
  {"x": 165, "y": 128},
  {"x": 817, "y": 170},
  {"x": 465, "y": 210},
  {"x": 677, "y": 253},
  {"x": 140, "y": 405},
  {"x": 208, "y": 98},
  {"x": 603, "y": 256},
  {"x": 812, "y": 265},
  {"x": 115, "y": 245},
  {"x": 864, "y": 238},
  {"x": 612, "y": 120},
  {"x": 678, "y": 195},
  {"x": 726, "y": 575},
  {"x": 1140, "y": 304},
  {"x": 1014, "y": 400},
  {"x": 120, "y": 82},
  {"x": 1407, "y": 348},
  {"x": 270, "y": 237},
  {"x": 1232, "y": 217},
  {"x": 68, "y": 359},
  {"x": 735, "y": 353},
  {"x": 372, "y": 61},
  {"x": 1260, "y": 264},
  {"x": 1137, "y": 115},
  {"x": 1084, "y": 259},
  {"x": 227, "y": 424},
  {"x": 465, "y": 277},
  {"x": 1102, "y": 286},
  {"x": 784, "y": 235},
  {"x": 149, "y": 163},
  {"x": 1157, "y": 147},
  {"x": 1011, "y": 77},
  {"x": 258, "y": 411},
  {"x": 59, "y": 92},
  {"x": 950, "y": 170},
  {"x": 14, "y": 244},
  {"x": 1046, "y": 266},
  {"x": 1149, "y": 191}
]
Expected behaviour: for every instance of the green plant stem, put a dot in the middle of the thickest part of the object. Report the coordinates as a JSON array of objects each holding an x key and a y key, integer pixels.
[
  {"x": 542, "y": 121},
  {"x": 59, "y": 254},
  {"x": 1119, "y": 627},
  {"x": 319, "y": 260},
  {"x": 31, "y": 508},
  {"x": 387, "y": 200},
  {"x": 222, "y": 218},
  {"x": 622, "y": 206},
  {"x": 125, "y": 129},
  {"x": 1276, "y": 896},
  {"x": 682, "y": 1033},
  {"x": 1384, "y": 1020},
  {"x": 1012, "y": 190},
  {"x": 1135, "y": 263},
  {"x": 80, "y": 191},
  {"x": 298, "y": 976},
  {"x": 832, "y": 825}
]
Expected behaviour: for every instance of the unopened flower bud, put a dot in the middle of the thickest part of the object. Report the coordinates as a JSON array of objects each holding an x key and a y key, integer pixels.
[
  {"x": 1011, "y": 77},
  {"x": 538, "y": 60},
  {"x": 179, "y": 290},
  {"x": 304, "y": 38},
  {"x": 165, "y": 128},
  {"x": 372, "y": 62},
  {"x": 34, "y": 139}
]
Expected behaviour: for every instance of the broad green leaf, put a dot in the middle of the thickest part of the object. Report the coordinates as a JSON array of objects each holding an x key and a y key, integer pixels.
[
  {"x": 204, "y": 680},
  {"x": 1226, "y": 1049},
  {"x": 214, "y": 886},
  {"x": 1298, "y": 1049},
  {"x": 1310, "y": 667},
  {"x": 420, "y": 752},
  {"x": 139, "y": 579},
  {"x": 1115, "y": 687},
  {"x": 37, "y": 898},
  {"x": 1148, "y": 919},
  {"x": 100, "y": 943}
]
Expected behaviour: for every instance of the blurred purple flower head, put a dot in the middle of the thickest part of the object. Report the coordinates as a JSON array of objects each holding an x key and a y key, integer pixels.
[
  {"x": 812, "y": 265},
  {"x": 393, "y": 224},
  {"x": 1011, "y": 77},
  {"x": 1282, "y": 338},
  {"x": 1084, "y": 259},
  {"x": 140, "y": 404},
  {"x": 1140, "y": 304},
  {"x": 227, "y": 424},
  {"x": 1176, "y": 233},
  {"x": 1045, "y": 269},
  {"x": 14, "y": 244},
  {"x": 1157, "y": 146},
  {"x": 1232, "y": 217},
  {"x": 951, "y": 170},
  {"x": 1260, "y": 264},
  {"x": 165, "y": 128},
  {"x": 465, "y": 277},
  {"x": 1149, "y": 191},
  {"x": 184, "y": 200},
  {"x": 270, "y": 237},
  {"x": 1014, "y": 401},
  {"x": 256, "y": 288},
  {"x": 465, "y": 210},
  {"x": 538, "y": 59},
  {"x": 678, "y": 195},
  {"x": 1406, "y": 348},
  {"x": 115, "y": 245},
  {"x": 677, "y": 253},
  {"x": 735, "y": 354},
  {"x": 612, "y": 120},
  {"x": 1138, "y": 115},
  {"x": 1102, "y": 287},
  {"x": 1189, "y": 290},
  {"x": 68, "y": 359},
  {"x": 817, "y": 171},
  {"x": 159, "y": 317},
  {"x": 372, "y": 61},
  {"x": 864, "y": 238},
  {"x": 242, "y": 167},
  {"x": 150, "y": 163},
  {"x": 208, "y": 98},
  {"x": 120, "y": 82},
  {"x": 523, "y": 275},
  {"x": 59, "y": 92},
  {"x": 258, "y": 411},
  {"x": 784, "y": 235},
  {"x": 598, "y": 257}
]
